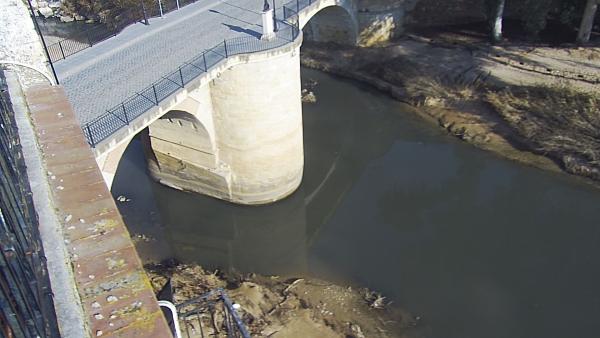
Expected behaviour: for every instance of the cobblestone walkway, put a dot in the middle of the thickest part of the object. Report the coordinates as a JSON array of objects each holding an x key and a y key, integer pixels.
[{"x": 104, "y": 75}]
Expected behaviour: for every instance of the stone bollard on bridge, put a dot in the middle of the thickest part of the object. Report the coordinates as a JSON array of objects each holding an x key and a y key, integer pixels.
[{"x": 267, "y": 24}]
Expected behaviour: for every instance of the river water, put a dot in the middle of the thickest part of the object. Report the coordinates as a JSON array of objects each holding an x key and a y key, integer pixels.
[{"x": 477, "y": 246}]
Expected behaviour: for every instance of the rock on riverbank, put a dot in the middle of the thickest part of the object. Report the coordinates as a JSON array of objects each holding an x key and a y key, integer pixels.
[{"x": 55, "y": 9}]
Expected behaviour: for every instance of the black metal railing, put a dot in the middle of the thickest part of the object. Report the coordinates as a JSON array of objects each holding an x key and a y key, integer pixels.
[
  {"x": 169, "y": 6},
  {"x": 81, "y": 40},
  {"x": 211, "y": 315},
  {"x": 124, "y": 113},
  {"x": 294, "y": 7},
  {"x": 26, "y": 304}
]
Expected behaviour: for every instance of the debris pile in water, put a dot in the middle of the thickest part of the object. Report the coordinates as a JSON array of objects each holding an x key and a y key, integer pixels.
[
  {"x": 272, "y": 306},
  {"x": 308, "y": 94}
]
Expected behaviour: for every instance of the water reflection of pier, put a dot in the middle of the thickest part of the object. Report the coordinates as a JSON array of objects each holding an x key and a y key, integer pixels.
[{"x": 275, "y": 239}]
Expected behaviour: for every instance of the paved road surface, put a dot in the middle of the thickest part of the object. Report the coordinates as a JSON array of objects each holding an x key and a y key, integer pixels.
[{"x": 104, "y": 75}]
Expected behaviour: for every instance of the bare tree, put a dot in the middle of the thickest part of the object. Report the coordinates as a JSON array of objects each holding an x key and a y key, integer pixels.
[
  {"x": 585, "y": 30},
  {"x": 495, "y": 15}
]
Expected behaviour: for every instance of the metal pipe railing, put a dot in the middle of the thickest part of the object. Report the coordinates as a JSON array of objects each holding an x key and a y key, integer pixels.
[
  {"x": 171, "y": 307},
  {"x": 200, "y": 314}
]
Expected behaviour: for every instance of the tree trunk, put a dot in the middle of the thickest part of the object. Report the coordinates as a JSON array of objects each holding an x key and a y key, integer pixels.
[
  {"x": 496, "y": 20},
  {"x": 585, "y": 30}
]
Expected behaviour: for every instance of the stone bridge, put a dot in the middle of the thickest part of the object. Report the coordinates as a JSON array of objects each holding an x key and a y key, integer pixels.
[{"x": 224, "y": 121}]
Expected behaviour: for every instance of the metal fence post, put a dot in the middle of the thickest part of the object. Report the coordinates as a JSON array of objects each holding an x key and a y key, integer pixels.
[
  {"x": 144, "y": 12},
  {"x": 61, "y": 49},
  {"x": 125, "y": 113},
  {"x": 274, "y": 17},
  {"x": 87, "y": 35},
  {"x": 155, "y": 96},
  {"x": 225, "y": 45},
  {"x": 297, "y": 6},
  {"x": 87, "y": 127},
  {"x": 181, "y": 77},
  {"x": 37, "y": 29},
  {"x": 177, "y": 4}
]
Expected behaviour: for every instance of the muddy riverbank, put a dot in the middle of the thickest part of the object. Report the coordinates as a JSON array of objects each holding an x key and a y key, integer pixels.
[
  {"x": 466, "y": 89},
  {"x": 274, "y": 306}
]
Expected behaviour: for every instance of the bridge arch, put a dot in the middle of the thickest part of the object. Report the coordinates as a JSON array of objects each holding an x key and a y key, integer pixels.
[
  {"x": 330, "y": 21},
  {"x": 181, "y": 133},
  {"x": 184, "y": 129}
]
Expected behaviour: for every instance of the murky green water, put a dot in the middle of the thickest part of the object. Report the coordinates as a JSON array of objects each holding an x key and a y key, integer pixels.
[{"x": 478, "y": 246}]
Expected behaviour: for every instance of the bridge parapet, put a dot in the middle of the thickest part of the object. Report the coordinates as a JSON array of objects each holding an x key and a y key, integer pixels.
[{"x": 123, "y": 114}]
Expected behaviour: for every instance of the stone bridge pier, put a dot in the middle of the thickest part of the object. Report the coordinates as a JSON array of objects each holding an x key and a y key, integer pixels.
[
  {"x": 239, "y": 138},
  {"x": 236, "y": 134}
]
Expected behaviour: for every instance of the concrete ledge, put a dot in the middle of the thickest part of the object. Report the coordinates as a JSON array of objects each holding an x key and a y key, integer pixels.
[
  {"x": 67, "y": 304},
  {"x": 116, "y": 299}
]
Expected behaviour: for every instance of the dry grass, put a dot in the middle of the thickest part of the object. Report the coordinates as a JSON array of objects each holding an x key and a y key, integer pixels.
[
  {"x": 428, "y": 87},
  {"x": 590, "y": 53},
  {"x": 557, "y": 121}
]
